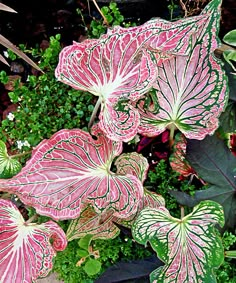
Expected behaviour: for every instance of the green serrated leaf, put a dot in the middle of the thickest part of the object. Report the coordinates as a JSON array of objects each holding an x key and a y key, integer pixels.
[
  {"x": 92, "y": 266},
  {"x": 8, "y": 166},
  {"x": 84, "y": 242}
]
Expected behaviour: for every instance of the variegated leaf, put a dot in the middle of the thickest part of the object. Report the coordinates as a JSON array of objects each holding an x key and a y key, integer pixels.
[
  {"x": 120, "y": 66},
  {"x": 26, "y": 252},
  {"x": 190, "y": 247},
  {"x": 191, "y": 90},
  {"x": 178, "y": 160},
  {"x": 70, "y": 169},
  {"x": 100, "y": 225},
  {"x": 8, "y": 165},
  {"x": 132, "y": 163}
]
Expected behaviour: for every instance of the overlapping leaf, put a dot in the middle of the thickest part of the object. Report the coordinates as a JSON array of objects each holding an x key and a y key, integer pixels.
[
  {"x": 70, "y": 169},
  {"x": 191, "y": 90},
  {"x": 8, "y": 165},
  {"x": 119, "y": 67},
  {"x": 26, "y": 252},
  {"x": 101, "y": 225},
  {"x": 178, "y": 160},
  {"x": 190, "y": 247}
]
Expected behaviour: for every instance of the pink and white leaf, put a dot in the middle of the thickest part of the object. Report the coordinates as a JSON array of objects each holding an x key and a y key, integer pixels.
[
  {"x": 132, "y": 163},
  {"x": 120, "y": 66},
  {"x": 71, "y": 169},
  {"x": 100, "y": 225},
  {"x": 192, "y": 90},
  {"x": 178, "y": 160},
  {"x": 26, "y": 252},
  {"x": 190, "y": 247}
]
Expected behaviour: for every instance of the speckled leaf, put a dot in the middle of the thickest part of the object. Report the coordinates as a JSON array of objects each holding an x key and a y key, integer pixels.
[
  {"x": 191, "y": 90},
  {"x": 26, "y": 252},
  {"x": 70, "y": 169},
  {"x": 8, "y": 166},
  {"x": 190, "y": 247}
]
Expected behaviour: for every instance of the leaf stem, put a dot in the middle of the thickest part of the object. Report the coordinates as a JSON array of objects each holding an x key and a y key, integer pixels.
[
  {"x": 172, "y": 133},
  {"x": 182, "y": 211},
  {"x": 95, "y": 110},
  {"x": 31, "y": 219},
  {"x": 101, "y": 13},
  {"x": 20, "y": 154}
]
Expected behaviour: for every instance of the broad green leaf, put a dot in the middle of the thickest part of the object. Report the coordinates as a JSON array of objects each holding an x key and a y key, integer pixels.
[
  {"x": 26, "y": 249},
  {"x": 8, "y": 165},
  {"x": 72, "y": 169},
  {"x": 228, "y": 56},
  {"x": 84, "y": 242},
  {"x": 191, "y": 90},
  {"x": 190, "y": 247},
  {"x": 82, "y": 253},
  {"x": 230, "y": 38},
  {"x": 92, "y": 266}
]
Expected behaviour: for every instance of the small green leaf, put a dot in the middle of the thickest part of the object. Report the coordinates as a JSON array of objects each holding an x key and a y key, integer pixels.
[
  {"x": 82, "y": 253},
  {"x": 230, "y": 38},
  {"x": 85, "y": 241},
  {"x": 8, "y": 166},
  {"x": 92, "y": 266}
]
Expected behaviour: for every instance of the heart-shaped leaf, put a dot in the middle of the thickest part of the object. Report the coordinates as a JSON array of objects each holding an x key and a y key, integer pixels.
[
  {"x": 8, "y": 165},
  {"x": 191, "y": 90},
  {"x": 101, "y": 225},
  {"x": 26, "y": 252},
  {"x": 120, "y": 66},
  {"x": 190, "y": 247},
  {"x": 70, "y": 169}
]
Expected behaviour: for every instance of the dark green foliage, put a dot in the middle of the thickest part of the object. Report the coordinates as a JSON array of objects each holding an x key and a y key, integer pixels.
[{"x": 44, "y": 104}]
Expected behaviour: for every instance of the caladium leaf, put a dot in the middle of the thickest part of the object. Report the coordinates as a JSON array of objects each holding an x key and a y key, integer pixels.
[
  {"x": 101, "y": 225},
  {"x": 26, "y": 252},
  {"x": 70, "y": 169},
  {"x": 8, "y": 165},
  {"x": 132, "y": 163},
  {"x": 120, "y": 66},
  {"x": 190, "y": 247},
  {"x": 191, "y": 90},
  {"x": 178, "y": 160}
]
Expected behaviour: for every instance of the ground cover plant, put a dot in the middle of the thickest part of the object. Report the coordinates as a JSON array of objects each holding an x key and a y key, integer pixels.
[{"x": 163, "y": 101}]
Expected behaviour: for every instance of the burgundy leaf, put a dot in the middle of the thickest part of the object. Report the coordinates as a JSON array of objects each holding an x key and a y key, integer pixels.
[
  {"x": 26, "y": 252},
  {"x": 70, "y": 169}
]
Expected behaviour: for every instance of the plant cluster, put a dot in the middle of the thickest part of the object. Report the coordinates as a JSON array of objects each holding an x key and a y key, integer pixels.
[{"x": 148, "y": 80}]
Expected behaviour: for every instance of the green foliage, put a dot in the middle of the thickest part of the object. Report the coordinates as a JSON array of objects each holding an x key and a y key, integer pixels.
[
  {"x": 113, "y": 17},
  {"x": 110, "y": 252},
  {"x": 227, "y": 271},
  {"x": 44, "y": 104},
  {"x": 162, "y": 179}
]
